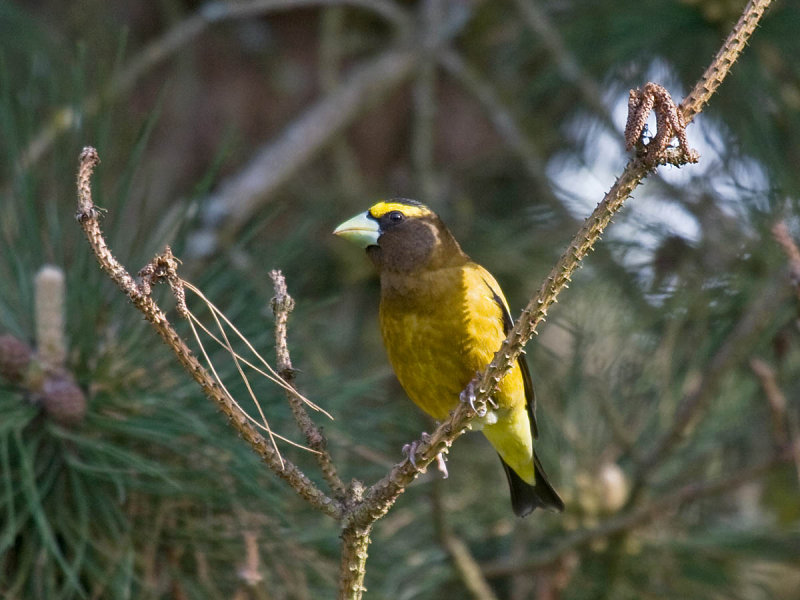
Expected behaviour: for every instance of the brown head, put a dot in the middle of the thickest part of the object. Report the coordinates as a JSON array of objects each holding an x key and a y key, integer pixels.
[{"x": 403, "y": 236}]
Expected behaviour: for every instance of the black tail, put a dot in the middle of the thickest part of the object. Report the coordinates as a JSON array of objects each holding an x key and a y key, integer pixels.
[{"x": 526, "y": 497}]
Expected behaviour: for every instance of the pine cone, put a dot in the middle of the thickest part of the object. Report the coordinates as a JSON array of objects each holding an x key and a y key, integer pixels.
[
  {"x": 63, "y": 400},
  {"x": 15, "y": 357}
]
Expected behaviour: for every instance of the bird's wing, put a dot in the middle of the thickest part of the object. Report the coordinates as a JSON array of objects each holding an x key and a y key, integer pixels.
[{"x": 508, "y": 324}]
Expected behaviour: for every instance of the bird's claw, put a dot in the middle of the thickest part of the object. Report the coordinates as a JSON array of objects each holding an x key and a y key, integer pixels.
[
  {"x": 410, "y": 450},
  {"x": 469, "y": 396}
]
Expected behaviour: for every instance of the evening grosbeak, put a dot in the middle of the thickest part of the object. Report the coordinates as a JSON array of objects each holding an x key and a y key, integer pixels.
[{"x": 443, "y": 317}]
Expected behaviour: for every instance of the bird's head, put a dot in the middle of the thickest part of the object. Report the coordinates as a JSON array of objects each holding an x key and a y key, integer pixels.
[{"x": 402, "y": 235}]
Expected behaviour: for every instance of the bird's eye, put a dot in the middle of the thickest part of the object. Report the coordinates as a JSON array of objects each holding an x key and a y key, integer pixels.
[{"x": 396, "y": 216}]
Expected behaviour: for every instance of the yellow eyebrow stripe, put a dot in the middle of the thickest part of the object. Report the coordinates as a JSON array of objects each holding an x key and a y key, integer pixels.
[{"x": 409, "y": 210}]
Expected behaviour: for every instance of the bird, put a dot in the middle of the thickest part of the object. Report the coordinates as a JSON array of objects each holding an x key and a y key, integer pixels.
[{"x": 442, "y": 318}]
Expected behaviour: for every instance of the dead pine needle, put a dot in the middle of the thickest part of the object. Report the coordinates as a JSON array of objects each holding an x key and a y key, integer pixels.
[{"x": 270, "y": 374}]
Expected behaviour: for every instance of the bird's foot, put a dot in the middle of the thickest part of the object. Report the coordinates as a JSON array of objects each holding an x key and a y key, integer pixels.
[
  {"x": 469, "y": 396},
  {"x": 410, "y": 450}
]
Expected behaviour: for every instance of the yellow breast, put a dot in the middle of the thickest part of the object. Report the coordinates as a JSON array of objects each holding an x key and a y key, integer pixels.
[{"x": 442, "y": 332}]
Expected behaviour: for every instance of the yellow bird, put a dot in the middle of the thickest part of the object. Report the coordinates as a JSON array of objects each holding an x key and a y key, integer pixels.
[{"x": 442, "y": 318}]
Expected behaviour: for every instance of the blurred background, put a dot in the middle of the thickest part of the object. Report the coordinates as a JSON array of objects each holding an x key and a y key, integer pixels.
[{"x": 241, "y": 135}]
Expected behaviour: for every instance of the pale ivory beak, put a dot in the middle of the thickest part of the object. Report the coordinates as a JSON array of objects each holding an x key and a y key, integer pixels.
[{"x": 360, "y": 230}]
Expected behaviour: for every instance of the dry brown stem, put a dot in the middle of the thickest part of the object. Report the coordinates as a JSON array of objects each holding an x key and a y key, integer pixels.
[
  {"x": 755, "y": 318},
  {"x": 781, "y": 234},
  {"x": 723, "y": 61},
  {"x": 162, "y": 268},
  {"x": 639, "y": 517},
  {"x": 282, "y": 305}
]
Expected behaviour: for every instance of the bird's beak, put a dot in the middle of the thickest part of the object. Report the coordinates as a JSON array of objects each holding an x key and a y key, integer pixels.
[{"x": 361, "y": 230}]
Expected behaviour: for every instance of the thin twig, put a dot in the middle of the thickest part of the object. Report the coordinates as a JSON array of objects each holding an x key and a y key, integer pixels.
[
  {"x": 723, "y": 61},
  {"x": 781, "y": 234},
  {"x": 755, "y": 318},
  {"x": 282, "y": 305},
  {"x": 87, "y": 216},
  {"x": 468, "y": 569},
  {"x": 639, "y": 517}
]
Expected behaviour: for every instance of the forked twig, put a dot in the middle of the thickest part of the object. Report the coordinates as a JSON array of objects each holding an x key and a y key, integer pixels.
[
  {"x": 282, "y": 305},
  {"x": 87, "y": 216}
]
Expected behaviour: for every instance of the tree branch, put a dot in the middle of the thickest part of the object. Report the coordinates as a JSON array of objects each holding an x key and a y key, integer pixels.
[
  {"x": 639, "y": 517},
  {"x": 723, "y": 61},
  {"x": 282, "y": 305},
  {"x": 138, "y": 294}
]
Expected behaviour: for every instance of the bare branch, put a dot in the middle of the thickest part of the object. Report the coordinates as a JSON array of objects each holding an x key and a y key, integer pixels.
[
  {"x": 755, "y": 318},
  {"x": 282, "y": 305},
  {"x": 781, "y": 234},
  {"x": 640, "y": 517},
  {"x": 355, "y": 544},
  {"x": 723, "y": 61},
  {"x": 88, "y": 218}
]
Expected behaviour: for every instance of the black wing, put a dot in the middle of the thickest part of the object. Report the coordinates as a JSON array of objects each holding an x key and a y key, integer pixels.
[{"x": 527, "y": 381}]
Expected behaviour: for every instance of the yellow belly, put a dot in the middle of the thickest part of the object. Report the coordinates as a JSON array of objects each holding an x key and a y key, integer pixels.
[{"x": 437, "y": 344}]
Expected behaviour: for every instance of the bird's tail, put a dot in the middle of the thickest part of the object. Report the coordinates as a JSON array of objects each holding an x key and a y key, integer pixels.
[{"x": 526, "y": 497}]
